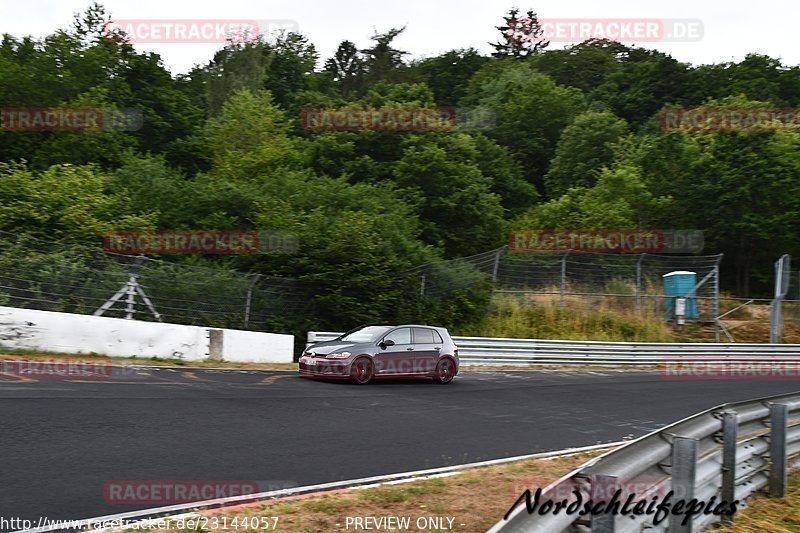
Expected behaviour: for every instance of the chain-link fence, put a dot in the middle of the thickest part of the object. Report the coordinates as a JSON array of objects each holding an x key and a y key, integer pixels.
[
  {"x": 580, "y": 279},
  {"x": 49, "y": 276},
  {"x": 631, "y": 280}
]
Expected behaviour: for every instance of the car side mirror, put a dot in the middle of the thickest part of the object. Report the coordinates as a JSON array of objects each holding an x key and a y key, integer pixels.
[{"x": 386, "y": 343}]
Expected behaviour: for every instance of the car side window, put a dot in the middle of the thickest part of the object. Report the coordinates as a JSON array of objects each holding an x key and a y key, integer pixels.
[
  {"x": 399, "y": 336},
  {"x": 424, "y": 336}
]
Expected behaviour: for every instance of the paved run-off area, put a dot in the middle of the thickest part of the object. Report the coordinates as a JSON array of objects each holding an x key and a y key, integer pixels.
[{"x": 66, "y": 443}]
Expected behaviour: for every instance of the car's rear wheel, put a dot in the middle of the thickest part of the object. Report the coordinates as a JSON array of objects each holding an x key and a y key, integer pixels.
[
  {"x": 362, "y": 371},
  {"x": 445, "y": 371}
]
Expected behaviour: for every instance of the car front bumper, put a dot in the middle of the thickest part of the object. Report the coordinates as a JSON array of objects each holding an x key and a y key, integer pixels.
[{"x": 321, "y": 367}]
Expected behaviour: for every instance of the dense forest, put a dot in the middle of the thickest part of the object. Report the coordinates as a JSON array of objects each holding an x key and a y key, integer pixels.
[{"x": 575, "y": 142}]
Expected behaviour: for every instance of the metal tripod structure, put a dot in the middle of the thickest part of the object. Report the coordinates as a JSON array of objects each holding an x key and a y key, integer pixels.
[{"x": 130, "y": 289}]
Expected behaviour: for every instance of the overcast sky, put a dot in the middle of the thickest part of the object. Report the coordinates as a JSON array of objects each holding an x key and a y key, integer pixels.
[{"x": 731, "y": 28}]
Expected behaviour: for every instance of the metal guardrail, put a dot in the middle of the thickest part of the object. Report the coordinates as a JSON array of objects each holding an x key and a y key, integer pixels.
[
  {"x": 728, "y": 452},
  {"x": 488, "y": 351}
]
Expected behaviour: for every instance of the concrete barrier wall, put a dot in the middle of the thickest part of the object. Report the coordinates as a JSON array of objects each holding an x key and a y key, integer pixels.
[
  {"x": 256, "y": 347},
  {"x": 49, "y": 331}
]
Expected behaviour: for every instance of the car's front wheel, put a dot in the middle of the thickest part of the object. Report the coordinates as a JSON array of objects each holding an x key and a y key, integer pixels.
[
  {"x": 445, "y": 371},
  {"x": 362, "y": 371}
]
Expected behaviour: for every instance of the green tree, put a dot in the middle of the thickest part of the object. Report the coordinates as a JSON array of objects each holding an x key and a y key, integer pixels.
[
  {"x": 739, "y": 187},
  {"x": 293, "y": 61},
  {"x": 65, "y": 203},
  {"x": 448, "y": 74},
  {"x": 384, "y": 62},
  {"x": 586, "y": 65},
  {"x": 347, "y": 68},
  {"x": 79, "y": 66},
  {"x": 646, "y": 81},
  {"x": 236, "y": 67},
  {"x": 507, "y": 178},
  {"x": 531, "y": 112},
  {"x": 459, "y": 213},
  {"x": 251, "y": 138},
  {"x": 520, "y": 36},
  {"x": 585, "y": 147},
  {"x": 619, "y": 200}
]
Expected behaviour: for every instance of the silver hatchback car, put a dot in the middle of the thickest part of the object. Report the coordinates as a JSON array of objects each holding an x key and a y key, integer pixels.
[{"x": 376, "y": 351}]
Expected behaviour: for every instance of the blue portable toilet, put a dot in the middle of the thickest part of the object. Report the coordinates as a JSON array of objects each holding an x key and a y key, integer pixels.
[{"x": 677, "y": 285}]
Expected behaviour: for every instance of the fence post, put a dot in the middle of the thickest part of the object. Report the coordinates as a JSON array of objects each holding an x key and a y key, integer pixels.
[
  {"x": 778, "y": 419},
  {"x": 782, "y": 269},
  {"x": 563, "y": 276},
  {"x": 639, "y": 282},
  {"x": 497, "y": 263},
  {"x": 729, "y": 435},
  {"x": 603, "y": 522},
  {"x": 249, "y": 298},
  {"x": 684, "y": 460}
]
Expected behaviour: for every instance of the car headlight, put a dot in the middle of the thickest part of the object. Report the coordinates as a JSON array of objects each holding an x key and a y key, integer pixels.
[{"x": 342, "y": 355}]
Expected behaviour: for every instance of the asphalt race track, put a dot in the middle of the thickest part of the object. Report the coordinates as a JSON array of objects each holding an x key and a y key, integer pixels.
[{"x": 64, "y": 441}]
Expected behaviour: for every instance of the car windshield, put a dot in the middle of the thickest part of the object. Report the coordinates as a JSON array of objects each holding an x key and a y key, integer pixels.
[{"x": 366, "y": 334}]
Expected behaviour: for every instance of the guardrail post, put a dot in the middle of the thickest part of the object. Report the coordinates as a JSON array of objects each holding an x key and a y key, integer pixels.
[
  {"x": 684, "y": 463},
  {"x": 603, "y": 486},
  {"x": 716, "y": 298},
  {"x": 778, "y": 418},
  {"x": 730, "y": 430}
]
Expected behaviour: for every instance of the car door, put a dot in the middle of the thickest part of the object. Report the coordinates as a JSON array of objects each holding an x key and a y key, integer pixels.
[
  {"x": 398, "y": 358},
  {"x": 427, "y": 345}
]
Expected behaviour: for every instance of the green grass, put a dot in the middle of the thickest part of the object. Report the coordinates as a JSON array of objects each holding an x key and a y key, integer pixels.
[
  {"x": 770, "y": 515},
  {"x": 397, "y": 494},
  {"x": 542, "y": 317},
  {"x": 325, "y": 505}
]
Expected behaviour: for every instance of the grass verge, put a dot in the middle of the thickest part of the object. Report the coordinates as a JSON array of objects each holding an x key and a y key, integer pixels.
[
  {"x": 470, "y": 501},
  {"x": 540, "y": 316},
  {"x": 770, "y": 515},
  {"x": 473, "y": 499}
]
